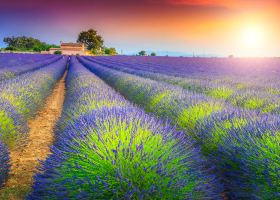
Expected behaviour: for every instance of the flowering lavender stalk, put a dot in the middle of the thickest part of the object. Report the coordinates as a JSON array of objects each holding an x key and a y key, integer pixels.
[{"x": 109, "y": 149}]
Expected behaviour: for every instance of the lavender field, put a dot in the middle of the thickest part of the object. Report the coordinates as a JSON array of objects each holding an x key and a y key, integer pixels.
[{"x": 142, "y": 127}]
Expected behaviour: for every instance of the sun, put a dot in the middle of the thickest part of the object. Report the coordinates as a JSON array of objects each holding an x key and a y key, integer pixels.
[
  {"x": 253, "y": 37},
  {"x": 253, "y": 40}
]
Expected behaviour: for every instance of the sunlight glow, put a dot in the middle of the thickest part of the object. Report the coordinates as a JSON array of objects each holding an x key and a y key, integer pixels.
[{"x": 253, "y": 37}]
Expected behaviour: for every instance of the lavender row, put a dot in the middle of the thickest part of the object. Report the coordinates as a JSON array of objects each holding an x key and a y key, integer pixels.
[
  {"x": 262, "y": 98},
  {"x": 12, "y": 59},
  {"x": 21, "y": 97},
  {"x": 251, "y": 71},
  {"x": 243, "y": 145},
  {"x": 106, "y": 148},
  {"x": 13, "y": 71}
]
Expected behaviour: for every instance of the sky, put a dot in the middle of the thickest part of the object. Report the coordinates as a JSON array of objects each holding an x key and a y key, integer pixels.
[{"x": 173, "y": 27}]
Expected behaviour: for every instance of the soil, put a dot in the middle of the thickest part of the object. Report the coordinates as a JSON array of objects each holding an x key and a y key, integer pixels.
[{"x": 26, "y": 159}]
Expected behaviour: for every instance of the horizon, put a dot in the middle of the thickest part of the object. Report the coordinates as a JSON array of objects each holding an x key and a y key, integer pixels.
[{"x": 211, "y": 28}]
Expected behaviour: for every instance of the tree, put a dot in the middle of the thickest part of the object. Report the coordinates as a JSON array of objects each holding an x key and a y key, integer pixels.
[
  {"x": 142, "y": 53},
  {"x": 153, "y": 54},
  {"x": 111, "y": 51},
  {"x": 91, "y": 40},
  {"x": 24, "y": 43}
]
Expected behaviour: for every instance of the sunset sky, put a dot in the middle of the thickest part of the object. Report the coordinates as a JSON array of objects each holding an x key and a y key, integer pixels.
[{"x": 179, "y": 27}]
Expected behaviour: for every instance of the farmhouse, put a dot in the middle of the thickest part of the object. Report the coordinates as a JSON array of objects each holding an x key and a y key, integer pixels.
[{"x": 69, "y": 49}]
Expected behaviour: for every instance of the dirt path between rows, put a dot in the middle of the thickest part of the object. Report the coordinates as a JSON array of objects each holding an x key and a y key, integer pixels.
[{"x": 25, "y": 159}]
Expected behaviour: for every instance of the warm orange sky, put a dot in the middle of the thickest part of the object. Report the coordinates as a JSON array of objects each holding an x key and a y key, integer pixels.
[{"x": 216, "y": 27}]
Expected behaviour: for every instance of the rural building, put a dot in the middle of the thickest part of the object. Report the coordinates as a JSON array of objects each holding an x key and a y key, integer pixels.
[{"x": 69, "y": 49}]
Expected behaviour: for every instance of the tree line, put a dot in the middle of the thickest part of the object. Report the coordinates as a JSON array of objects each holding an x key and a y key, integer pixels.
[
  {"x": 90, "y": 38},
  {"x": 24, "y": 43}
]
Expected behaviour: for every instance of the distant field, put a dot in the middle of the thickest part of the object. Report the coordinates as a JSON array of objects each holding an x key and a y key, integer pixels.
[{"x": 139, "y": 127}]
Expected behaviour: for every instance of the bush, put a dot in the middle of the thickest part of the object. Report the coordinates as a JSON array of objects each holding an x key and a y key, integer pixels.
[
  {"x": 142, "y": 53},
  {"x": 111, "y": 51},
  {"x": 58, "y": 52}
]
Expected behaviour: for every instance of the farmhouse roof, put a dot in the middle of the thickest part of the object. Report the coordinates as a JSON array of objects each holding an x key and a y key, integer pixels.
[
  {"x": 71, "y": 44},
  {"x": 71, "y": 49}
]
